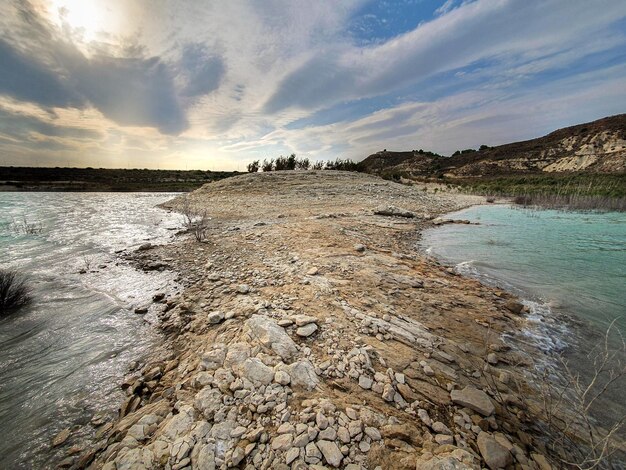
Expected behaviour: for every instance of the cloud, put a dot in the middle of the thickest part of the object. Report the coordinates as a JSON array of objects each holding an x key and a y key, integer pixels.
[
  {"x": 202, "y": 71},
  {"x": 500, "y": 31},
  {"x": 210, "y": 82},
  {"x": 28, "y": 80},
  {"x": 42, "y": 66}
]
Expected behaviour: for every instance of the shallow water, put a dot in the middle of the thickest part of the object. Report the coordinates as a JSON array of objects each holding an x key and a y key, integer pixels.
[
  {"x": 570, "y": 267},
  {"x": 63, "y": 356},
  {"x": 570, "y": 261}
]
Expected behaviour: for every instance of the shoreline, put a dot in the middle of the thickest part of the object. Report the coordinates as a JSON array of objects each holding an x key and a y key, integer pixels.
[{"x": 322, "y": 323}]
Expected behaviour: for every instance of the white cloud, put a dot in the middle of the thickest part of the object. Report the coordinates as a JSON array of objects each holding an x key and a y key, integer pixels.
[{"x": 227, "y": 78}]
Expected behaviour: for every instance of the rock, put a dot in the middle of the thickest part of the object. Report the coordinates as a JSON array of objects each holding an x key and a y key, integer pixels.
[
  {"x": 541, "y": 461},
  {"x": 492, "y": 359},
  {"x": 359, "y": 248},
  {"x": 343, "y": 435},
  {"x": 61, "y": 437},
  {"x": 270, "y": 335},
  {"x": 407, "y": 393},
  {"x": 365, "y": 382},
  {"x": 213, "y": 359},
  {"x": 474, "y": 399},
  {"x": 215, "y": 317},
  {"x": 303, "y": 374},
  {"x": 495, "y": 455},
  {"x": 243, "y": 289},
  {"x": 282, "y": 377},
  {"x": 302, "y": 320},
  {"x": 328, "y": 434},
  {"x": 388, "y": 392},
  {"x": 404, "y": 432},
  {"x": 237, "y": 354},
  {"x": 311, "y": 450},
  {"x": 208, "y": 401},
  {"x": 238, "y": 456},
  {"x": 141, "y": 310},
  {"x": 282, "y": 442},
  {"x": 291, "y": 455},
  {"x": 455, "y": 459},
  {"x": 514, "y": 307},
  {"x": 255, "y": 371},
  {"x": 373, "y": 433},
  {"x": 423, "y": 415},
  {"x": 392, "y": 211},
  {"x": 444, "y": 439},
  {"x": 306, "y": 330},
  {"x": 441, "y": 428},
  {"x": 313, "y": 271},
  {"x": 331, "y": 453}
]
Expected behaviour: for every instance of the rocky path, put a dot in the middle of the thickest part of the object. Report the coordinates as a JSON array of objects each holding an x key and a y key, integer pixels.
[{"x": 311, "y": 334}]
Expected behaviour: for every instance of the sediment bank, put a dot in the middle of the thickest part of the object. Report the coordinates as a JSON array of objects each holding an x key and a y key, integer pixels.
[{"x": 312, "y": 334}]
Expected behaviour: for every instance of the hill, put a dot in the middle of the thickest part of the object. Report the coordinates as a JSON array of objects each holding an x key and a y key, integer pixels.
[
  {"x": 597, "y": 147},
  {"x": 104, "y": 179}
]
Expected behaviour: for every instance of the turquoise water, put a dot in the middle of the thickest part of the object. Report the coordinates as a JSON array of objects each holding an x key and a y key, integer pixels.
[
  {"x": 63, "y": 357},
  {"x": 572, "y": 262}
]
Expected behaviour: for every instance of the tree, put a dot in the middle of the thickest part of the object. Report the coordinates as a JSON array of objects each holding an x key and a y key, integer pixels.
[
  {"x": 253, "y": 167},
  {"x": 268, "y": 165}
]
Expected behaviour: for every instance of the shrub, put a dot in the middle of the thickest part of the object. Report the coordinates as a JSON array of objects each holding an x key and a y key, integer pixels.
[
  {"x": 253, "y": 167},
  {"x": 196, "y": 222},
  {"x": 268, "y": 165},
  {"x": 14, "y": 291}
]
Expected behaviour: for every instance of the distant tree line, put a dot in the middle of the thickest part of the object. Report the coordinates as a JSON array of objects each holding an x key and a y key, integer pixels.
[
  {"x": 294, "y": 163},
  {"x": 466, "y": 151}
]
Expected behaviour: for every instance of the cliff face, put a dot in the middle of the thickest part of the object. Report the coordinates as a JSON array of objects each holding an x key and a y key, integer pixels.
[{"x": 596, "y": 147}]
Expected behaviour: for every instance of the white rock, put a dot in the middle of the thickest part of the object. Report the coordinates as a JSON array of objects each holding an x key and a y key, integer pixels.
[
  {"x": 215, "y": 317},
  {"x": 307, "y": 330},
  {"x": 331, "y": 452},
  {"x": 270, "y": 335},
  {"x": 282, "y": 377}
]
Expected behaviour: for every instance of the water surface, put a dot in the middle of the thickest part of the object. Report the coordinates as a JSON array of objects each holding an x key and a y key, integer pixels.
[{"x": 62, "y": 358}]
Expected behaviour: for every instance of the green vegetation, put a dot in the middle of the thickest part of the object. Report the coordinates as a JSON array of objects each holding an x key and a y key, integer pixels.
[
  {"x": 14, "y": 291},
  {"x": 576, "y": 190},
  {"x": 294, "y": 163},
  {"x": 104, "y": 179}
]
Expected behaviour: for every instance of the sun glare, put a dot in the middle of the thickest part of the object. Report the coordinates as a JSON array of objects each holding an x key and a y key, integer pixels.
[{"x": 87, "y": 18}]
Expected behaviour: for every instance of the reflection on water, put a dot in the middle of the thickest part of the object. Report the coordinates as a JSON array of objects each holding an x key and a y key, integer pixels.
[{"x": 62, "y": 357}]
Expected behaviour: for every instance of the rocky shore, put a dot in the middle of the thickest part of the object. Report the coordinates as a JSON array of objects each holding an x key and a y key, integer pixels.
[{"x": 312, "y": 334}]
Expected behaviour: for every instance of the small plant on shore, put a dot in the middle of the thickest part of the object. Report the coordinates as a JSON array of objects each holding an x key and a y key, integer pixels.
[
  {"x": 25, "y": 227},
  {"x": 14, "y": 292},
  {"x": 569, "y": 401},
  {"x": 196, "y": 222}
]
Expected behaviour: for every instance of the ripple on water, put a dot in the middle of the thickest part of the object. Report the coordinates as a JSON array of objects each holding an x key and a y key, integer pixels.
[{"x": 62, "y": 358}]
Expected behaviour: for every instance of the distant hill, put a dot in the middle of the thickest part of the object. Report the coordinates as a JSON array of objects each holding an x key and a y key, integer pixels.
[
  {"x": 595, "y": 147},
  {"x": 104, "y": 179}
]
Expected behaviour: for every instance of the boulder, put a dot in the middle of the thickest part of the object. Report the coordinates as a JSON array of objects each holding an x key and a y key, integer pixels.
[
  {"x": 255, "y": 371},
  {"x": 269, "y": 334},
  {"x": 495, "y": 455},
  {"x": 303, "y": 374},
  {"x": 393, "y": 211},
  {"x": 474, "y": 399},
  {"x": 306, "y": 330},
  {"x": 208, "y": 401},
  {"x": 331, "y": 452}
]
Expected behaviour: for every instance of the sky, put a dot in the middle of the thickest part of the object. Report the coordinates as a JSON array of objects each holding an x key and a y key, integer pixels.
[{"x": 190, "y": 84}]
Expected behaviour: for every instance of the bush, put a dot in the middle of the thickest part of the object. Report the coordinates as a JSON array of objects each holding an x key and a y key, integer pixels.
[
  {"x": 268, "y": 165},
  {"x": 253, "y": 167},
  {"x": 196, "y": 222},
  {"x": 14, "y": 291}
]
